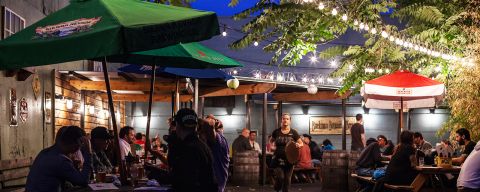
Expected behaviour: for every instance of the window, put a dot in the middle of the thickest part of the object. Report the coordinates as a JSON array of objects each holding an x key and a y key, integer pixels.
[{"x": 12, "y": 22}]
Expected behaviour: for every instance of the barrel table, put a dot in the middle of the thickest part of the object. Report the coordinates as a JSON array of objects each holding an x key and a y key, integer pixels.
[{"x": 246, "y": 168}]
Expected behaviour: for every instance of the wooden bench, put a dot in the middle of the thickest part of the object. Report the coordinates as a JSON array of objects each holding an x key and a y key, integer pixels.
[
  {"x": 14, "y": 169},
  {"x": 308, "y": 172},
  {"x": 387, "y": 186}
]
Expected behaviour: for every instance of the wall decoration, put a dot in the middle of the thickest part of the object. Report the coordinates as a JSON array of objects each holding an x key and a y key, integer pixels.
[
  {"x": 329, "y": 125},
  {"x": 13, "y": 107},
  {"x": 36, "y": 86},
  {"x": 23, "y": 111},
  {"x": 48, "y": 107}
]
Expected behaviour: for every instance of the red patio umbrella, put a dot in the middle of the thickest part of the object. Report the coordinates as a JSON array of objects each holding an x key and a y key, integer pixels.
[{"x": 402, "y": 90}]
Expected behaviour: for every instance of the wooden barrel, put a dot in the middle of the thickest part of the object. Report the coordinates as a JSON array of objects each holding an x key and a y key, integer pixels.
[
  {"x": 246, "y": 168},
  {"x": 352, "y": 164},
  {"x": 334, "y": 170}
]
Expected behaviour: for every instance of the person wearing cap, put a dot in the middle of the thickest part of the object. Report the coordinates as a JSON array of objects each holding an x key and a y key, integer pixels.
[
  {"x": 191, "y": 164},
  {"x": 100, "y": 139}
]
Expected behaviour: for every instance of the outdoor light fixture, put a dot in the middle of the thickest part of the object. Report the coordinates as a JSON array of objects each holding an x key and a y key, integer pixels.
[
  {"x": 69, "y": 103},
  {"x": 373, "y": 31},
  {"x": 355, "y": 22},
  {"x": 233, "y": 83},
  {"x": 384, "y": 34},
  {"x": 258, "y": 75},
  {"x": 312, "y": 89},
  {"x": 91, "y": 109},
  {"x": 362, "y": 26},
  {"x": 255, "y": 43},
  {"x": 367, "y": 27},
  {"x": 432, "y": 110},
  {"x": 313, "y": 59},
  {"x": 333, "y": 63},
  {"x": 279, "y": 77},
  {"x": 344, "y": 17},
  {"x": 224, "y": 33},
  {"x": 391, "y": 38},
  {"x": 235, "y": 72}
]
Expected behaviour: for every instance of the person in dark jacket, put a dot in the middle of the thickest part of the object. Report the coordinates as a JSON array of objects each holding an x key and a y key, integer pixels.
[
  {"x": 370, "y": 158},
  {"x": 52, "y": 168},
  {"x": 241, "y": 143},
  {"x": 400, "y": 170},
  {"x": 192, "y": 162}
]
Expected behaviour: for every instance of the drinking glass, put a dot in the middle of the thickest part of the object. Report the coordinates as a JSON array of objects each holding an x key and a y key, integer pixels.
[{"x": 421, "y": 161}]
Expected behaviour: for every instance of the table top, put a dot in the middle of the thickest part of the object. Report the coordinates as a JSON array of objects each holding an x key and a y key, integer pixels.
[{"x": 436, "y": 170}]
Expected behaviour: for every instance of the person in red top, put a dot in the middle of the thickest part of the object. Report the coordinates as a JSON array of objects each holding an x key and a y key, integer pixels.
[{"x": 304, "y": 156}]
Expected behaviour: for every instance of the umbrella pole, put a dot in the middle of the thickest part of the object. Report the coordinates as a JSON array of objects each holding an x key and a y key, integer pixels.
[
  {"x": 400, "y": 120},
  {"x": 173, "y": 104},
  {"x": 149, "y": 113},
  {"x": 264, "y": 140},
  {"x": 123, "y": 176},
  {"x": 195, "y": 101},
  {"x": 177, "y": 95}
]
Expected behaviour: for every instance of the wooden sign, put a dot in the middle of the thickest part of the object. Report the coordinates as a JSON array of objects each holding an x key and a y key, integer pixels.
[
  {"x": 13, "y": 107},
  {"x": 23, "y": 112},
  {"x": 48, "y": 107},
  {"x": 329, "y": 125},
  {"x": 36, "y": 86}
]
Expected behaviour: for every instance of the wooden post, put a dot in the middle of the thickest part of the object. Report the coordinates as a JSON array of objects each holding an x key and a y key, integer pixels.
[
  {"x": 249, "y": 113},
  {"x": 149, "y": 112},
  {"x": 173, "y": 103},
  {"x": 344, "y": 123},
  {"x": 177, "y": 95},
  {"x": 195, "y": 97},
  {"x": 203, "y": 107},
  {"x": 409, "y": 113},
  {"x": 264, "y": 140},
  {"x": 123, "y": 176},
  {"x": 279, "y": 114}
]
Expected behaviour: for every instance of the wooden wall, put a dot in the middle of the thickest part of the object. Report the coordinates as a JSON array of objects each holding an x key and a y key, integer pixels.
[{"x": 80, "y": 114}]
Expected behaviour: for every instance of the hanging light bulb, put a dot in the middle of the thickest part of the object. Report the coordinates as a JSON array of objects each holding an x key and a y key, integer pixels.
[
  {"x": 416, "y": 48},
  {"x": 304, "y": 79},
  {"x": 438, "y": 69},
  {"x": 373, "y": 31},
  {"x": 355, "y": 22},
  {"x": 313, "y": 59},
  {"x": 235, "y": 72},
  {"x": 350, "y": 67},
  {"x": 321, "y": 6},
  {"x": 291, "y": 78},
  {"x": 333, "y": 63},
  {"x": 329, "y": 80},
  {"x": 344, "y": 17},
  {"x": 255, "y": 43},
  {"x": 391, "y": 38},
  {"x": 334, "y": 11},
  {"x": 384, "y": 34},
  {"x": 271, "y": 77},
  {"x": 320, "y": 80},
  {"x": 399, "y": 41},
  {"x": 387, "y": 70},
  {"x": 361, "y": 26},
  {"x": 340, "y": 79},
  {"x": 258, "y": 75},
  {"x": 380, "y": 71},
  {"x": 279, "y": 77},
  {"x": 367, "y": 27},
  {"x": 224, "y": 33}
]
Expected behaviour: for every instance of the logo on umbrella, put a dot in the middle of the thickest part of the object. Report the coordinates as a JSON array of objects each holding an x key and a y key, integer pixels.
[
  {"x": 201, "y": 53},
  {"x": 66, "y": 28}
]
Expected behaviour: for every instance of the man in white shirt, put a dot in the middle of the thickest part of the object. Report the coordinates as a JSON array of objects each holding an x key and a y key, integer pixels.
[
  {"x": 469, "y": 178},
  {"x": 127, "y": 137},
  {"x": 252, "y": 140}
]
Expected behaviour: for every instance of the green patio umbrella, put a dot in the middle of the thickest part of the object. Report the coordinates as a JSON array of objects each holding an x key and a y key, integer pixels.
[
  {"x": 96, "y": 29},
  {"x": 88, "y": 29},
  {"x": 183, "y": 55}
]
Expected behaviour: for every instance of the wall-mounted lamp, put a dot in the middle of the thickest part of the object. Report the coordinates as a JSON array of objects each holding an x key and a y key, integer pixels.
[
  {"x": 91, "y": 109},
  {"x": 432, "y": 110},
  {"x": 69, "y": 103},
  {"x": 305, "y": 109},
  {"x": 366, "y": 110},
  {"x": 229, "y": 110}
]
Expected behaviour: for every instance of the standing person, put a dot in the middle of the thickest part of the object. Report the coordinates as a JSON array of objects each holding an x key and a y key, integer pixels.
[
  {"x": 219, "y": 147},
  {"x": 469, "y": 178},
  {"x": 358, "y": 134},
  {"x": 283, "y": 169},
  {"x": 315, "y": 151},
  {"x": 52, "y": 168},
  {"x": 241, "y": 143},
  {"x": 401, "y": 169},
  {"x": 192, "y": 163},
  {"x": 463, "y": 138},
  {"x": 127, "y": 137},
  {"x": 100, "y": 140},
  {"x": 253, "y": 143}
]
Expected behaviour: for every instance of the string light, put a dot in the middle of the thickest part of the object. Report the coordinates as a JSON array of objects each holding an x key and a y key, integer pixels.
[
  {"x": 313, "y": 59},
  {"x": 304, "y": 79},
  {"x": 334, "y": 11},
  {"x": 373, "y": 31},
  {"x": 321, "y": 6},
  {"x": 367, "y": 27},
  {"x": 361, "y": 26},
  {"x": 329, "y": 80},
  {"x": 255, "y": 43},
  {"x": 355, "y": 22},
  {"x": 279, "y": 77},
  {"x": 235, "y": 72},
  {"x": 384, "y": 34},
  {"x": 224, "y": 33},
  {"x": 391, "y": 38},
  {"x": 344, "y": 17},
  {"x": 387, "y": 70},
  {"x": 350, "y": 67},
  {"x": 333, "y": 63}
]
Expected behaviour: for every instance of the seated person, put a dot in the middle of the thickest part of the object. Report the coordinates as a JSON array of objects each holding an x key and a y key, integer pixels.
[
  {"x": 52, "y": 168},
  {"x": 463, "y": 139},
  {"x": 370, "y": 158},
  {"x": 100, "y": 140},
  {"x": 388, "y": 146},
  {"x": 315, "y": 151},
  {"x": 401, "y": 169},
  {"x": 126, "y": 138},
  {"x": 469, "y": 178},
  {"x": 304, "y": 156},
  {"x": 327, "y": 145}
]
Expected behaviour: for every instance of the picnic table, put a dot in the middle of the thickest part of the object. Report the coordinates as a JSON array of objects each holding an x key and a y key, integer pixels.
[{"x": 426, "y": 172}]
